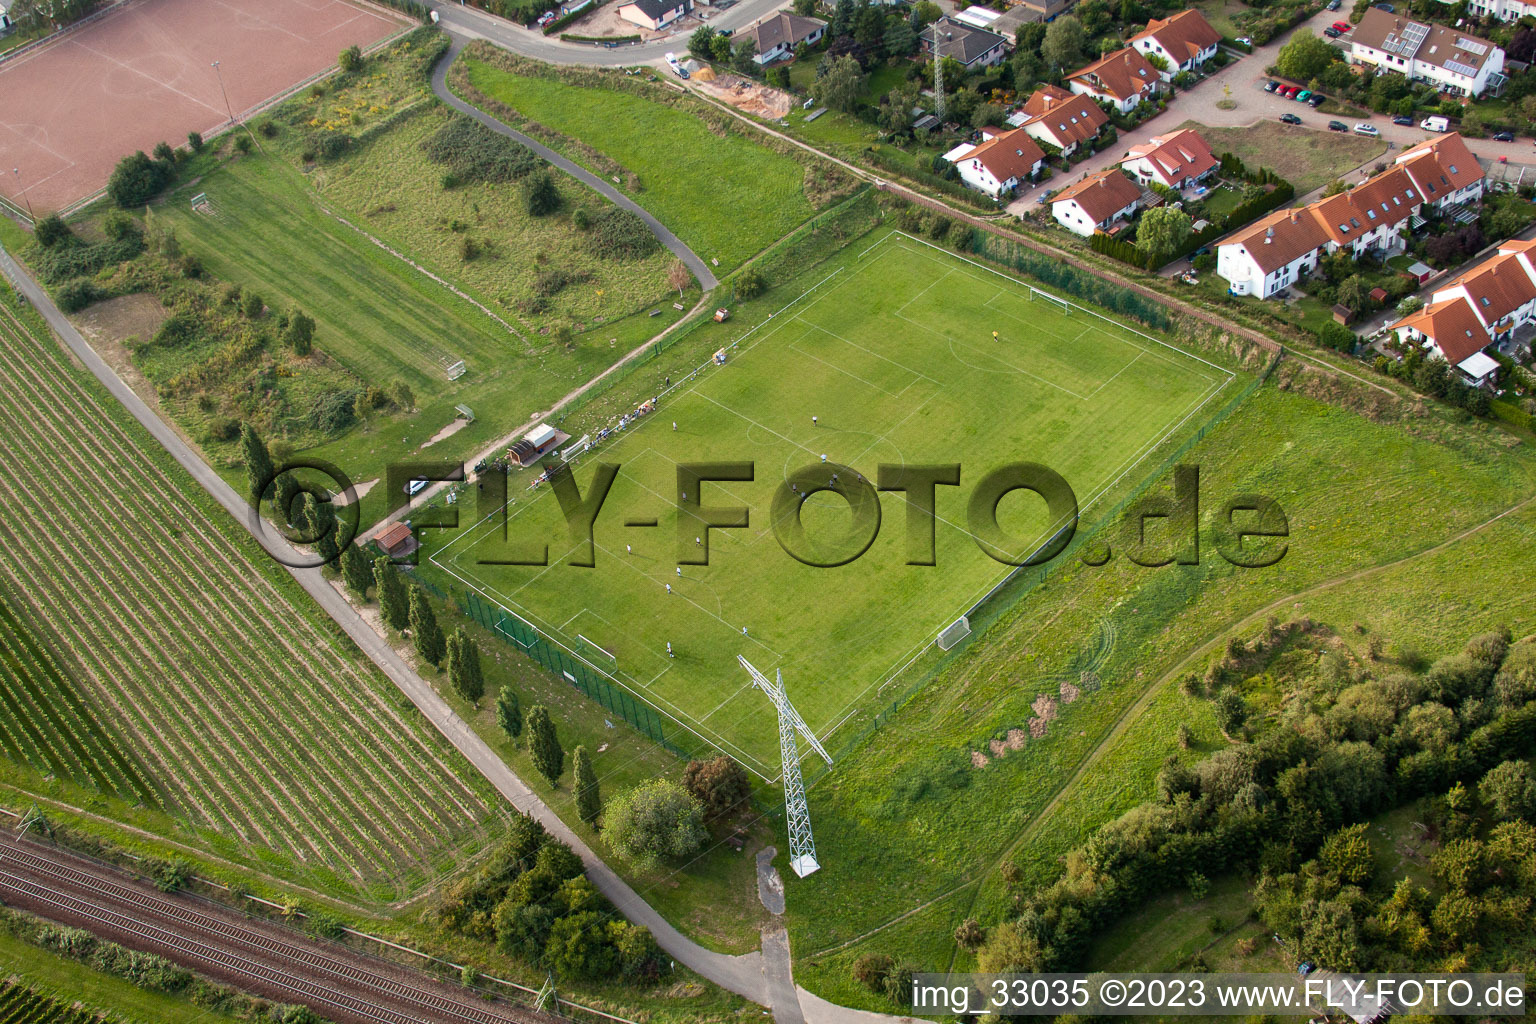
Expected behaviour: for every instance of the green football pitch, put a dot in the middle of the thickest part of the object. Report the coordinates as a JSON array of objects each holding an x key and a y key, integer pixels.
[{"x": 894, "y": 357}]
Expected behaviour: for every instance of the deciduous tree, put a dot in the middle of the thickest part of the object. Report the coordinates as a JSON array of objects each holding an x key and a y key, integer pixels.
[
  {"x": 1062, "y": 46},
  {"x": 656, "y": 819},
  {"x": 719, "y": 784},
  {"x": 509, "y": 713},
  {"x": 589, "y": 802},
  {"x": 356, "y": 571},
  {"x": 841, "y": 87},
  {"x": 426, "y": 634},
  {"x": 464, "y": 666},
  {"x": 1305, "y": 57},
  {"x": 258, "y": 463},
  {"x": 1161, "y": 232},
  {"x": 544, "y": 744},
  {"x": 394, "y": 606}
]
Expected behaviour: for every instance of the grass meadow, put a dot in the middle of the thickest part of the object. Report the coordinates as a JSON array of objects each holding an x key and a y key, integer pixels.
[
  {"x": 725, "y": 193},
  {"x": 913, "y": 820},
  {"x": 893, "y": 355}
]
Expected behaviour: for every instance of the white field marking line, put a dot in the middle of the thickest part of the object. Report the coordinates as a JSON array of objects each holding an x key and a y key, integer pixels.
[
  {"x": 1131, "y": 330},
  {"x": 152, "y": 81},
  {"x": 660, "y": 704},
  {"x": 839, "y": 369},
  {"x": 1103, "y": 332},
  {"x": 649, "y": 682},
  {"x": 742, "y": 347},
  {"x": 899, "y": 667},
  {"x": 744, "y": 687},
  {"x": 869, "y": 351},
  {"x": 1111, "y": 380},
  {"x": 894, "y": 673},
  {"x": 932, "y": 285},
  {"x": 980, "y": 369}
]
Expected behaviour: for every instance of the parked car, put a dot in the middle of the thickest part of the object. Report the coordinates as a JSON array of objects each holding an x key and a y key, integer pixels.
[
  {"x": 1269, "y": 86},
  {"x": 1403, "y": 120},
  {"x": 1317, "y": 100},
  {"x": 1342, "y": 26},
  {"x": 1367, "y": 129},
  {"x": 1290, "y": 91},
  {"x": 1290, "y": 119},
  {"x": 1331, "y": 32},
  {"x": 1435, "y": 124},
  {"x": 1503, "y": 136},
  {"x": 1304, "y": 95},
  {"x": 1333, "y": 5},
  {"x": 1337, "y": 126},
  {"x": 1244, "y": 40}
]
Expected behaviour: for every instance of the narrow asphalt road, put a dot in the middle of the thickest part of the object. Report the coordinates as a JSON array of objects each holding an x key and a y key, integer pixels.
[
  {"x": 695, "y": 264},
  {"x": 740, "y": 974},
  {"x": 749, "y": 975},
  {"x": 468, "y": 22}
]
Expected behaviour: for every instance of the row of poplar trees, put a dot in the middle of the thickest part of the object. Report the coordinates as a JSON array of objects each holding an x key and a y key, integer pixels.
[{"x": 405, "y": 607}]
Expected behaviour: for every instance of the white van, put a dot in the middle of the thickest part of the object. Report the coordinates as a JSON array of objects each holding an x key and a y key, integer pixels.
[{"x": 1435, "y": 124}]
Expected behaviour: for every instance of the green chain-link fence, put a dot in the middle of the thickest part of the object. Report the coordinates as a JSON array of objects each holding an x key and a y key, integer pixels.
[{"x": 554, "y": 656}]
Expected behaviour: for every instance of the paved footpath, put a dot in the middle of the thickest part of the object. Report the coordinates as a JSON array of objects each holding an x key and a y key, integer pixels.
[
  {"x": 749, "y": 975},
  {"x": 700, "y": 269}
]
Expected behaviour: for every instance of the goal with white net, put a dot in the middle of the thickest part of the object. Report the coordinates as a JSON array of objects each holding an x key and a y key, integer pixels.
[
  {"x": 592, "y": 653},
  {"x": 1059, "y": 303},
  {"x": 954, "y": 632}
]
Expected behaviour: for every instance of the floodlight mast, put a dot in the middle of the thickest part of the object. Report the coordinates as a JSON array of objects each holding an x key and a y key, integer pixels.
[{"x": 802, "y": 847}]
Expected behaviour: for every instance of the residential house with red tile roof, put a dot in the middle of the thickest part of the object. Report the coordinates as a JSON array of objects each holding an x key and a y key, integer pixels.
[
  {"x": 1173, "y": 161},
  {"x": 1096, "y": 203},
  {"x": 1445, "y": 170},
  {"x": 1059, "y": 118},
  {"x": 1123, "y": 79},
  {"x": 1185, "y": 40},
  {"x": 1001, "y": 162},
  {"x": 1272, "y": 253}
]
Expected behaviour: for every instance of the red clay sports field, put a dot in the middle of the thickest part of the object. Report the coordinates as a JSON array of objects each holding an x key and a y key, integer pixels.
[{"x": 143, "y": 72}]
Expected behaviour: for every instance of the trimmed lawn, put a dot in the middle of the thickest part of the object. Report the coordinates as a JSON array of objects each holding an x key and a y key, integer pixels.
[
  {"x": 724, "y": 193},
  {"x": 1305, "y": 157},
  {"x": 888, "y": 815},
  {"x": 898, "y": 371}
]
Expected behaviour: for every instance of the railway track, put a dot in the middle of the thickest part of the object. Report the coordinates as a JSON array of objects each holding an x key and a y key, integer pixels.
[{"x": 336, "y": 986}]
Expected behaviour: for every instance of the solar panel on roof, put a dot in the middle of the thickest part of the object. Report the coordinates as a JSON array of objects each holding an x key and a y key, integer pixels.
[
  {"x": 1471, "y": 45},
  {"x": 1407, "y": 42},
  {"x": 1460, "y": 68}
]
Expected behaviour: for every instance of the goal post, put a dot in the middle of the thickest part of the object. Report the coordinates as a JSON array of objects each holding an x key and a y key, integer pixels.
[
  {"x": 953, "y": 633},
  {"x": 598, "y": 656},
  {"x": 1055, "y": 300}
]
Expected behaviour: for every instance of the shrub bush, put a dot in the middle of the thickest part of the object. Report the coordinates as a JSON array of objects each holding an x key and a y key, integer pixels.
[
  {"x": 350, "y": 59},
  {"x": 620, "y": 234},
  {"x": 331, "y": 145},
  {"x": 195, "y": 141},
  {"x": 540, "y": 194},
  {"x": 75, "y": 295},
  {"x": 137, "y": 179},
  {"x": 51, "y": 230},
  {"x": 472, "y": 152},
  {"x": 750, "y": 284},
  {"x": 222, "y": 428}
]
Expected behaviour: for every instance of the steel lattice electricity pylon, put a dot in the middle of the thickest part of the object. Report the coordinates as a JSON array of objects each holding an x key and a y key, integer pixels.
[{"x": 802, "y": 847}]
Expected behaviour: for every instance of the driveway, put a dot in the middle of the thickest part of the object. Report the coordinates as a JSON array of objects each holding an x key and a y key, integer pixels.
[
  {"x": 468, "y": 22},
  {"x": 1245, "y": 78}
]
